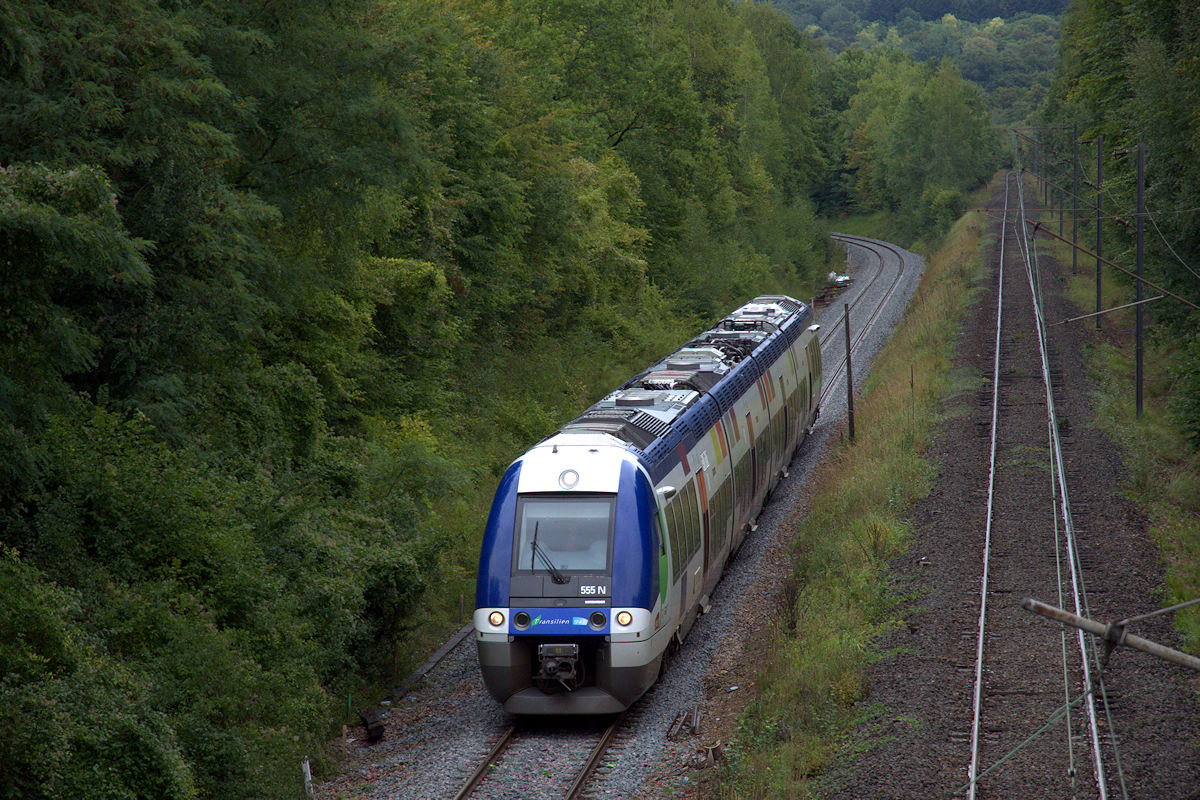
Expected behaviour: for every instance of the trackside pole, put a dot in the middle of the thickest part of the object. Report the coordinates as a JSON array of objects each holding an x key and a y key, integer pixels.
[
  {"x": 1114, "y": 635},
  {"x": 1099, "y": 226},
  {"x": 1141, "y": 202},
  {"x": 849, "y": 373}
]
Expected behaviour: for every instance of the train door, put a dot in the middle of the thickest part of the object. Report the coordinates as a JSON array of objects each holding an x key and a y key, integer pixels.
[
  {"x": 706, "y": 540},
  {"x": 785, "y": 432},
  {"x": 753, "y": 493}
]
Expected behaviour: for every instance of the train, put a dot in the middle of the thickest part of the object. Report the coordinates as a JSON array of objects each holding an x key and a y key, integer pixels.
[{"x": 606, "y": 540}]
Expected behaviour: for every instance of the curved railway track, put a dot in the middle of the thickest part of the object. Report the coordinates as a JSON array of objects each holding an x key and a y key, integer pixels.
[{"x": 886, "y": 256}]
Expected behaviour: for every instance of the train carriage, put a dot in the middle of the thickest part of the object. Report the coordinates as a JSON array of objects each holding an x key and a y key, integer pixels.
[{"x": 606, "y": 539}]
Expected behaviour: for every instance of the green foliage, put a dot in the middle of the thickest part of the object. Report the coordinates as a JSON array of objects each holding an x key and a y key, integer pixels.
[
  {"x": 1008, "y": 49},
  {"x": 916, "y": 137},
  {"x": 287, "y": 285},
  {"x": 1186, "y": 402},
  {"x": 74, "y": 721},
  {"x": 68, "y": 260},
  {"x": 249, "y": 252},
  {"x": 1128, "y": 72}
]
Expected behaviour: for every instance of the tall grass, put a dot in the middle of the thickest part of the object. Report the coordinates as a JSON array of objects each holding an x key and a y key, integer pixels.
[{"x": 855, "y": 524}]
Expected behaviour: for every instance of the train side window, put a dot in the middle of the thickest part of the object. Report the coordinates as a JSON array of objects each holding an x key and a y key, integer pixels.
[
  {"x": 687, "y": 500},
  {"x": 673, "y": 532}
]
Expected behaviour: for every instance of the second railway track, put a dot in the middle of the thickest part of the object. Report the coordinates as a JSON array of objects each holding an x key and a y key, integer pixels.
[{"x": 1022, "y": 671}]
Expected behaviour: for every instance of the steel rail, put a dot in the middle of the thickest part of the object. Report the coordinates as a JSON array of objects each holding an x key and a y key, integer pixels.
[
  {"x": 1077, "y": 592},
  {"x": 477, "y": 776},
  {"x": 598, "y": 751},
  {"x": 578, "y": 783},
  {"x": 1020, "y": 231},
  {"x": 972, "y": 770}
]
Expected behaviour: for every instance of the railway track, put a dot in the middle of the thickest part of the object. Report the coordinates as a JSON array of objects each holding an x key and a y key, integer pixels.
[
  {"x": 526, "y": 745},
  {"x": 1029, "y": 545},
  {"x": 890, "y": 261}
]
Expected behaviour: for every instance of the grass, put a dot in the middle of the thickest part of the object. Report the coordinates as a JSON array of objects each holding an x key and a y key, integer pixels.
[{"x": 809, "y": 691}]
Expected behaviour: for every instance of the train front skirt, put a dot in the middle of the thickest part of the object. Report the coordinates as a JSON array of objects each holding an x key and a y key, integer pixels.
[{"x": 561, "y": 670}]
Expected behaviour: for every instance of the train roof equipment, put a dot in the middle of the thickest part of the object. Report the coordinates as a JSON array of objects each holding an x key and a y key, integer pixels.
[{"x": 681, "y": 396}]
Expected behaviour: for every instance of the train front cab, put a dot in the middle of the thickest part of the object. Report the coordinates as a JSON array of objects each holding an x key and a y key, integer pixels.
[{"x": 570, "y": 613}]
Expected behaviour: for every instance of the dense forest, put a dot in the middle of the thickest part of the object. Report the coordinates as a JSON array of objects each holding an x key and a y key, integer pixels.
[
  {"x": 1129, "y": 74},
  {"x": 287, "y": 284},
  {"x": 1009, "y": 49},
  {"x": 808, "y": 12}
]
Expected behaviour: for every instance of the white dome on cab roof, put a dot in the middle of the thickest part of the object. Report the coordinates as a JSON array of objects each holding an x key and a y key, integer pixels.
[{"x": 594, "y": 460}]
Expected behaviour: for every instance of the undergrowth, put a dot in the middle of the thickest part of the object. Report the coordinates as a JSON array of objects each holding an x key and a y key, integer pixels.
[{"x": 1164, "y": 469}]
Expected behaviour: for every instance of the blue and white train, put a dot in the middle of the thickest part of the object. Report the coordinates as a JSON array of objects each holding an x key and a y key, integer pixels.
[{"x": 605, "y": 540}]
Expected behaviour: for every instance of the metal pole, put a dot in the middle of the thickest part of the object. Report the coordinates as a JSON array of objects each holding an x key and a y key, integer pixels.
[
  {"x": 1141, "y": 211},
  {"x": 1037, "y": 168},
  {"x": 1042, "y": 173},
  {"x": 1115, "y": 634},
  {"x": 1075, "y": 198},
  {"x": 1099, "y": 203},
  {"x": 849, "y": 373}
]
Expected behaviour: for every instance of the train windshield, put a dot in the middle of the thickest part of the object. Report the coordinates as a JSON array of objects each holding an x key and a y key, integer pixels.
[{"x": 556, "y": 534}]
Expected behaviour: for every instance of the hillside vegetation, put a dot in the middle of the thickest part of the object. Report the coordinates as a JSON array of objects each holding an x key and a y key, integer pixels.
[
  {"x": 287, "y": 284},
  {"x": 1006, "y": 47}
]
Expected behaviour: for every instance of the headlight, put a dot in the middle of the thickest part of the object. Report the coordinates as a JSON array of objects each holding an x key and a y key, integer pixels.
[
  {"x": 597, "y": 620},
  {"x": 496, "y": 618},
  {"x": 521, "y": 619},
  {"x": 624, "y": 619}
]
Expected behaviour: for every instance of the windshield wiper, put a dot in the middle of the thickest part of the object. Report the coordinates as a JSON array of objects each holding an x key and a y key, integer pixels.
[{"x": 555, "y": 575}]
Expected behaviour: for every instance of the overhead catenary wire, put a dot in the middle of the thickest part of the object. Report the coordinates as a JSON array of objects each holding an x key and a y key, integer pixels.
[
  {"x": 1055, "y": 717},
  {"x": 1120, "y": 219},
  {"x": 1168, "y": 610},
  {"x": 1040, "y": 227},
  {"x": 1186, "y": 266}
]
